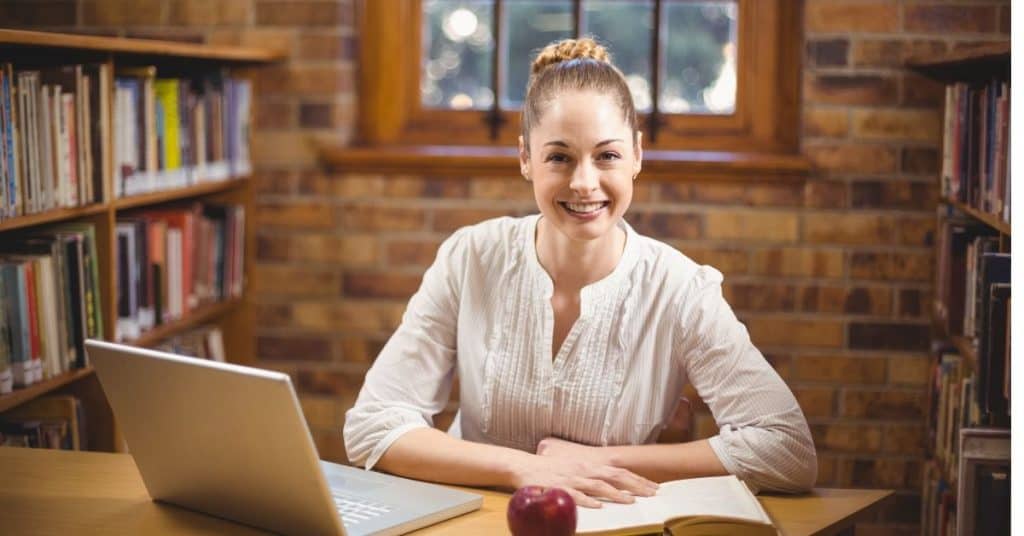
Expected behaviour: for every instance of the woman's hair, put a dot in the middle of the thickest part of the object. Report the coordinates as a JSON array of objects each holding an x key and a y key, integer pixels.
[{"x": 574, "y": 64}]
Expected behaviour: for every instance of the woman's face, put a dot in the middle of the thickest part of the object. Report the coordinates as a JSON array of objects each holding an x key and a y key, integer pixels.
[{"x": 582, "y": 162}]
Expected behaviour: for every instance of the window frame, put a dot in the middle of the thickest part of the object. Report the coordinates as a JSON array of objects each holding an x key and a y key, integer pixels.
[{"x": 766, "y": 119}]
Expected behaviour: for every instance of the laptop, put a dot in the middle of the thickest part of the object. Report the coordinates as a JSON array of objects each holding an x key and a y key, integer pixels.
[{"x": 231, "y": 441}]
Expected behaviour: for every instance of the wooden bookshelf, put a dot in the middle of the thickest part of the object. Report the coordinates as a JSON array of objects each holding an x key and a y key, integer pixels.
[
  {"x": 975, "y": 63},
  {"x": 991, "y": 220},
  {"x": 31, "y": 50}
]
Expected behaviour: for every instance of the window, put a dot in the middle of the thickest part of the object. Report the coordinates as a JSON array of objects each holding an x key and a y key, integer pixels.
[{"x": 725, "y": 73}]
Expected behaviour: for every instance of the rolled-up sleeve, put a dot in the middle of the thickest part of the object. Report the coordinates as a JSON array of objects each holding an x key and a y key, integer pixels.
[
  {"x": 763, "y": 434},
  {"x": 411, "y": 379}
]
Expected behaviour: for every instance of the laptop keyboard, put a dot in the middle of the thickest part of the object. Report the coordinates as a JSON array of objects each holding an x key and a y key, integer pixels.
[{"x": 355, "y": 510}]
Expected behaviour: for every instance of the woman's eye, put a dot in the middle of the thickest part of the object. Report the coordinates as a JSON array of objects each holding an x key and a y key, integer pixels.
[
  {"x": 556, "y": 157},
  {"x": 609, "y": 156}
]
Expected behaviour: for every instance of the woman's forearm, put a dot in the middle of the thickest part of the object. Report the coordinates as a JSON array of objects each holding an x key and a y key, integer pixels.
[
  {"x": 665, "y": 462},
  {"x": 430, "y": 454}
]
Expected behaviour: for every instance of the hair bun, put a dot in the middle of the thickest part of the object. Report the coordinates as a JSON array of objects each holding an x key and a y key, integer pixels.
[{"x": 569, "y": 49}]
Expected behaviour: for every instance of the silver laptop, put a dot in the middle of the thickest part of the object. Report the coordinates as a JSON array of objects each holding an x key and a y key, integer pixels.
[{"x": 231, "y": 441}]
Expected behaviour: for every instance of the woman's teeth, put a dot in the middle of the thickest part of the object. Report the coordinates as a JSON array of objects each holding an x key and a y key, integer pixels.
[{"x": 584, "y": 208}]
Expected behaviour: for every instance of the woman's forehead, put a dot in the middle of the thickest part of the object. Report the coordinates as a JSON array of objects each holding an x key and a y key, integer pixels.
[{"x": 583, "y": 113}]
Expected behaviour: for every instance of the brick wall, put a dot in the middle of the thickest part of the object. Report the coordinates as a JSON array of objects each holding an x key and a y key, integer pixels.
[{"x": 832, "y": 277}]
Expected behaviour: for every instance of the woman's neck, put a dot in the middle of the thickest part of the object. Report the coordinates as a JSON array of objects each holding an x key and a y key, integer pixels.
[{"x": 576, "y": 264}]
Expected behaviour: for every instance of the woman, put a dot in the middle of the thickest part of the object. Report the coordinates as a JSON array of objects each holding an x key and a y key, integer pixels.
[{"x": 571, "y": 334}]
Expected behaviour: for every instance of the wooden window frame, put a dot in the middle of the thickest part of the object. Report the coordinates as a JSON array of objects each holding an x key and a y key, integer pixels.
[{"x": 765, "y": 122}]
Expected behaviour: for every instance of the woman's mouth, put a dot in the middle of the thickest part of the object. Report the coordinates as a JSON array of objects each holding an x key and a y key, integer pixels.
[{"x": 584, "y": 210}]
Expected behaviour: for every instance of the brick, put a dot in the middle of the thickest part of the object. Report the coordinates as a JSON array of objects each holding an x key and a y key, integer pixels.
[
  {"x": 902, "y": 508},
  {"x": 272, "y": 314},
  {"x": 295, "y": 280},
  {"x": 826, "y": 194},
  {"x": 303, "y": 13},
  {"x": 897, "y": 125},
  {"x": 1004, "y": 20},
  {"x": 276, "y": 182},
  {"x": 851, "y": 16},
  {"x": 279, "y": 39},
  {"x": 274, "y": 113},
  {"x": 360, "y": 349},
  {"x": 827, "y": 52},
  {"x": 788, "y": 195},
  {"x": 826, "y": 122},
  {"x": 665, "y": 225},
  {"x": 425, "y": 187},
  {"x": 167, "y": 33},
  {"x": 381, "y": 285},
  {"x": 850, "y": 89},
  {"x": 907, "y": 370},
  {"x": 329, "y": 382},
  {"x": 293, "y": 348},
  {"x": 815, "y": 402},
  {"x": 282, "y": 148},
  {"x": 793, "y": 261},
  {"x": 352, "y": 186},
  {"x": 760, "y": 297},
  {"x": 847, "y": 228},
  {"x": 304, "y": 80},
  {"x": 949, "y": 19},
  {"x": 315, "y": 115},
  {"x": 847, "y": 437},
  {"x": 347, "y": 250},
  {"x": 893, "y": 53},
  {"x": 920, "y": 160},
  {"x": 205, "y": 13},
  {"x": 878, "y": 473},
  {"x": 350, "y": 316},
  {"x": 381, "y": 218},
  {"x": 326, "y": 46},
  {"x": 875, "y": 301},
  {"x": 451, "y": 219},
  {"x": 921, "y": 91},
  {"x": 902, "y": 266},
  {"x": 782, "y": 364},
  {"x": 122, "y": 12},
  {"x": 905, "y": 439},
  {"x": 295, "y": 215},
  {"x": 833, "y": 368},
  {"x": 883, "y": 404},
  {"x": 880, "y": 336},
  {"x": 30, "y": 13},
  {"x": 826, "y": 470},
  {"x": 859, "y": 159},
  {"x": 915, "y": 231},
  {"x": 320, "y": 411},
  {"x": 501, "y": 188},
  {"x": 412, "y": 253},
  {"x": 726, "y": 260},
  {"x": 893, "y": 195},
  {"x": 786, "y": 331},
  {"x": 912, "y": 303},
  {"x": 775, "y": 226},
  {"x": 330, "y": 445}
]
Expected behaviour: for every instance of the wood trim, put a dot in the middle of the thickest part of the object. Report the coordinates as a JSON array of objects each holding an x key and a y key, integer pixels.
[
  {"x": 197, "y": 190},
  {"x": 992, "y": 51},
  {"x": 195, "y": 317},
  {"x": 768, "y": 87},
  {"x": 991, "y": 220},
  {"x": 475, "y": 161},
  {"x": 146, "y": 47},
  {"x": 20, "y": 396}
]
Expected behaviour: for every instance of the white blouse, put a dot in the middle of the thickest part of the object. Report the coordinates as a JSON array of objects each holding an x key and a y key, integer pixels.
[{"x": 657, "y": 321}]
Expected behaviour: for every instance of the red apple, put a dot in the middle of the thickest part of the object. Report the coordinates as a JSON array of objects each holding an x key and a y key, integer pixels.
[{"x": 539, "y": 511}]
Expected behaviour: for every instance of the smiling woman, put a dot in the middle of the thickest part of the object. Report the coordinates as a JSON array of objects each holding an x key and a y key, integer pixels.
[{"x": 572, "y": 335}]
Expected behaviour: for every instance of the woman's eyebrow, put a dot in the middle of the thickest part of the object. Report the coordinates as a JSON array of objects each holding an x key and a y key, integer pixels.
[{"x": 561, "y": 143}]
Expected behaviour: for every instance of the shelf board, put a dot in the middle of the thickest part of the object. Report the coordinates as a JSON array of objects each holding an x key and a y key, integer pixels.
[
  {"x": 20, "y": 396},
  {"x": 139, "y": 47},
  {"x": 51, "y": 216},
  {"x": 979, "y": 62},
  {"x": 156, "y": 198},
  {"x": 194, "y": 318},
  {"x": 991, "y": 220}
]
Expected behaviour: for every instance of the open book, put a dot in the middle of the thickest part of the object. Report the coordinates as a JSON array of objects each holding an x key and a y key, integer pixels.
[{"x": 697, "y": 506}]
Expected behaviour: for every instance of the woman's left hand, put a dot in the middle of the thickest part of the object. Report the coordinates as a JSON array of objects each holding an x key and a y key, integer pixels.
[{"x": 560, "y": 448}]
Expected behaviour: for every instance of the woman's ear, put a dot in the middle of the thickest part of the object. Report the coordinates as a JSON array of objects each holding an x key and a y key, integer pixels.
[
  {"x": 524, "y": 159},
  {"x": 638, "y": 163}
]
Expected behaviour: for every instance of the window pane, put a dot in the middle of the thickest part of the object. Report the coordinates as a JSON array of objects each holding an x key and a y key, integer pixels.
[
  {"x": 529, "y": 26},
  {"x": 700, "y": 57},
  {"x": 625, "y": 27},
  {"x": 457, "y": 54}
]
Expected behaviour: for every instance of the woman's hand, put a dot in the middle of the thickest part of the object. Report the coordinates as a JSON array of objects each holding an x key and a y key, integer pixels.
[
  {"x": 586, "y": 480},
  {"x": 560, "y": 448}
]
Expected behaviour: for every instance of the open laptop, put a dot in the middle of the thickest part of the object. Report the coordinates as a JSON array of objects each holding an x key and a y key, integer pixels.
[{"x": 231, "y": 441}]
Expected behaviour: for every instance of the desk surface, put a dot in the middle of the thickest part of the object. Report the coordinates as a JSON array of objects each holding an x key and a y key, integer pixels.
[{"x": 60, "y": 492}]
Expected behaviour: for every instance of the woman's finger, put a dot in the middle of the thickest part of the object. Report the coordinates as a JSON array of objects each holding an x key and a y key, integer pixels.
[
  {"x": 627, "y": 480},
  {"x": 599, "y": 488}
]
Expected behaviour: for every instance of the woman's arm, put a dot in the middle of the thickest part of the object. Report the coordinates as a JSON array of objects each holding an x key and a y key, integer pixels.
[
  {"x": 429, "y": 454},
  {"x": 659, "y": 463}
]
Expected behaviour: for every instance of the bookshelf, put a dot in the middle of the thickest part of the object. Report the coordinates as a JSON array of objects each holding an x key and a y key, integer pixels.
[
  {"x": 27, "y": 50},
  {"x": 967, "y": 470}
]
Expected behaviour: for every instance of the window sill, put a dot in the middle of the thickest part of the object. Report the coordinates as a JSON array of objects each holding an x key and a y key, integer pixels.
[{"x": 477, "y": 161}]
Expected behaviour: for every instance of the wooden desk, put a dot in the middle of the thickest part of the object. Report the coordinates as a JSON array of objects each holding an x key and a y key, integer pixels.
[{"x": 60, "y": 492}]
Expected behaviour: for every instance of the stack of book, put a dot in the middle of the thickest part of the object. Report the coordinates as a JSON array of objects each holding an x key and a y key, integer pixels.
[
  {"x": 53, "y": 129},
  {"x": 49, "y": 303},
  {"x": 175, "y": 132},
  {"x": 976, "y": 155},
  {"x": 206, "y": 342},
  {"x": 172, "y": 260},
  {"x": 50, "y": 422}
]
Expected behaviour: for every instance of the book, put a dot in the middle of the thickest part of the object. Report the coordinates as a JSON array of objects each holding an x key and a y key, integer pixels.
[
  {"x": 709, "y": 505},
  {"x": 54, "y": 410}
]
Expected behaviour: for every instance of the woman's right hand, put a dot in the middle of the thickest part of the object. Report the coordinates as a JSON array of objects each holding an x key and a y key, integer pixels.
[{"x": 585, "y": 481}]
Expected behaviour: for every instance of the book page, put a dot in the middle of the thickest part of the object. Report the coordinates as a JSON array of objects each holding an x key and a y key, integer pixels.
[{"x": 720, "y": 496}]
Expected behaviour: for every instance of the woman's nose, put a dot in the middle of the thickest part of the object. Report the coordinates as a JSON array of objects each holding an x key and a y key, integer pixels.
[{"x": 584, "y": 179}]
